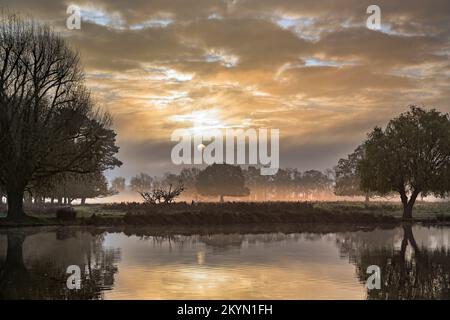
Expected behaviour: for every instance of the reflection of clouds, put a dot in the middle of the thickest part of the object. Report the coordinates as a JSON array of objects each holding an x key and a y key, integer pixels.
[
  {"x": 439, "y": 239},
  {"x": 430, "y": 238},
  {"x": 232, "y": 266},
  {"x": 239, "y": 282}
]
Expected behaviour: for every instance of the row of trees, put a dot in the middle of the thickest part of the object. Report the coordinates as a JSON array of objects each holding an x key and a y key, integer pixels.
[
  {"x": 222, "y": 180},
  {"x": 65, "y": 188}
]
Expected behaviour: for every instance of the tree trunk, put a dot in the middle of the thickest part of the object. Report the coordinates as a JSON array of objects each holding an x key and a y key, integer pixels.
[
  {"x": 14, "y": 255},
  {"x": 367, "y": 200},
  {"x": 15, "y": 280},
  {"x": 408, "y": 204},
  {"x": 83, "y": 201},
  {"x": 221, "y": 198},
  {"x": 407, "y": 212},
  {"x": 15, "y": 204},
  {"x": 408, "y": 234}
]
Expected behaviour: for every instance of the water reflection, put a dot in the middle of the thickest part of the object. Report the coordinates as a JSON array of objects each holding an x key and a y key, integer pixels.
[
  {"x": 34, "y": 264},
  {"x": 410, "y": 270},
  {"x": 132, "y": 264}
]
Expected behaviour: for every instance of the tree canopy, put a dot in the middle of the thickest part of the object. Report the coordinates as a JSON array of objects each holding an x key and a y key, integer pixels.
[
  {"x": 141, "y": 182},
  {"x": 118, "y": 184},
  {"x": 222, "y": 180},
  {"x": 410, "y": 156},
  {"x": 347, "y": 177}
]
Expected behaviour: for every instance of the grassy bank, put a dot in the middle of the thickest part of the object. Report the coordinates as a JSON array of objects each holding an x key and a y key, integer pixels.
[
  {"x": 244, "y": 213},
  {"x": 240, "y": 213},
  {"x": 422, "y": 210}
]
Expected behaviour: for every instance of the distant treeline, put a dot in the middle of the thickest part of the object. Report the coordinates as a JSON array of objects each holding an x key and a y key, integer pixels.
[
  {"x": 220, "y": 180},
  {"x": 214, "y": 182}
]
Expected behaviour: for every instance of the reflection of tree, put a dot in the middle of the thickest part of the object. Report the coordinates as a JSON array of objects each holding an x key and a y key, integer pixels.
[
  {"x": 418, "y": 273},
  {"x": 44, "y": 278}
]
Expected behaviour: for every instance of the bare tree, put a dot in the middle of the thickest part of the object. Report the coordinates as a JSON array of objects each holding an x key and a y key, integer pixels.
[
  {"x": 48, "y": 123},
  {"x": 161, "y": 195}
]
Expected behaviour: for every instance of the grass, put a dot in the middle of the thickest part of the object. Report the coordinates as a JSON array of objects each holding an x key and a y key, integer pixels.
[
  {"x": 422, "y": 210},
  {"x": 87, "y": 211},
  {"x": 247, "y": 213},
  {"x": 270, "y": 213}
]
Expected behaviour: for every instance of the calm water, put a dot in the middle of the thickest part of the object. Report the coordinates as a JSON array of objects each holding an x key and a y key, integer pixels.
[{"x": 414, "y": 263}]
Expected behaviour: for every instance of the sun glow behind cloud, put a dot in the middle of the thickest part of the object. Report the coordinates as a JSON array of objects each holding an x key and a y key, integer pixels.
[{"x": 200, "y": 121}]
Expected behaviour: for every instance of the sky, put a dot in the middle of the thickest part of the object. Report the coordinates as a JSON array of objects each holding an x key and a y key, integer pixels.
[{"x": 311, "y": 69}]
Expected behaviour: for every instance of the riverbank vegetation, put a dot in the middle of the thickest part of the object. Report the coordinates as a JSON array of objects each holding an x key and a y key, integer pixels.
[{"x": 235, "y": 213}]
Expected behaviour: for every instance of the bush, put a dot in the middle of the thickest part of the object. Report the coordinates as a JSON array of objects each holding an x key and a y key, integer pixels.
[{"x": 66, "y": 214}]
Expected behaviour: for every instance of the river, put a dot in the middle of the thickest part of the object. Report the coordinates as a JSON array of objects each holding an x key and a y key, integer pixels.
[{"x": 414, "y": 263}]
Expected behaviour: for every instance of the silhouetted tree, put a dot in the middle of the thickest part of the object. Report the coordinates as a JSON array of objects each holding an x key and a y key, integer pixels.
[
  {"x": 281, "y": 184},
  {"x": 316, "y": 182},
  {"x": 163, "y": 195},
  {"x": 411, "y": 157},
  {"x": 222, "y": 180},
  {"x": 70, "y": 186},
  {"x": 141, "y": 183},
  {"x": 188, "y": 177},
  {"x": 257, "y": 183},
  {"x": 348, "y": 181},
  {"x": 48, "y": 124},
  {"x": 118, "y": 184},
  {"x": 88, "y": 186},
  {"x": 166, "y": 180}
]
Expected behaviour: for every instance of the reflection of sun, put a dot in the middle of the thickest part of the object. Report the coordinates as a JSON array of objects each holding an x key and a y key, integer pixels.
[
  {"x": 202, "y": 281},
  {"x": 201, "y": 254}
]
